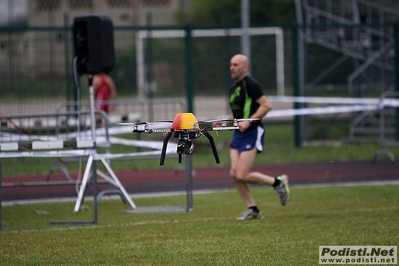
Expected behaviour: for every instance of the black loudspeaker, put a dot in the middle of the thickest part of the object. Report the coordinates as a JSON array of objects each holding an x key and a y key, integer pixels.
[{"x": 94, "y": 44}]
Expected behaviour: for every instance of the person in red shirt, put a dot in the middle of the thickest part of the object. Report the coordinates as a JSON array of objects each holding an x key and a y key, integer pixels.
[{"x": 104, "y": 90}]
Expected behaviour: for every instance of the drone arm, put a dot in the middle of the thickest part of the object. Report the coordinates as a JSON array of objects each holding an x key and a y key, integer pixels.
[
  {"x": 164, "y": 146},
  {"x": 213, "y": 146}
]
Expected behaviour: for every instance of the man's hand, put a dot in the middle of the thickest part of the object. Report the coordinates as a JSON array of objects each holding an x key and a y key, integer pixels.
[{"x": 243, "y": 125}]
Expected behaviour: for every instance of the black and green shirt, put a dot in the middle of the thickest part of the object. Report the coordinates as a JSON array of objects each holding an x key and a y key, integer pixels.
[{"x": 243, "y": 96}]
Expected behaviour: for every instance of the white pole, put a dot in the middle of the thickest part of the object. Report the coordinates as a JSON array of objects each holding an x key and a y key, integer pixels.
[
  {"x": 245, "y": 37},
  {"x": 140, "y": 63},
  {"x": 280, "y": 62},
  {"x": 92, "y": 109}
]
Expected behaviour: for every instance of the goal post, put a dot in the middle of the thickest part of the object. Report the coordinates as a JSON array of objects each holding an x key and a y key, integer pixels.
[{"x": 198, "y": 33}]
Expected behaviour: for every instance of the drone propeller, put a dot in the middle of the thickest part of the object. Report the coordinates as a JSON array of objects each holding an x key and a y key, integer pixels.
[
  {"x": 232, "y": 120},
  {"x": 224, "y": 123},
  {"x": 247, "y": 119},
  {"x": 139, "y": 123},
  {"x": 163, "y": 121}
]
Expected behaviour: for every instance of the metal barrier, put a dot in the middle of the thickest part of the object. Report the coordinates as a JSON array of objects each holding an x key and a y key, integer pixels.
[
  {"x": 22, "y": 133},
  {"x": 66, "y": 125},
  {"x": 47, "y": 136},
  {"x": 64, "y": 135},
  {"x": 388, "y": 118}
]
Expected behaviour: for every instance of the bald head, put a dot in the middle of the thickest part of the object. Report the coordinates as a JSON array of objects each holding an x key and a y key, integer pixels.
[{"x": 239, "y": 66}]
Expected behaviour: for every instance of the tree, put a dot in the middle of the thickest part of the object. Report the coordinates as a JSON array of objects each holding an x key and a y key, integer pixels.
[{"x": 211, "y": 12}]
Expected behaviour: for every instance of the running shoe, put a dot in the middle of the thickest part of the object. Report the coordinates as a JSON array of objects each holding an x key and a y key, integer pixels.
[
  {"x": 283, "y": 190},
  {"x": 250, "y": 215}
]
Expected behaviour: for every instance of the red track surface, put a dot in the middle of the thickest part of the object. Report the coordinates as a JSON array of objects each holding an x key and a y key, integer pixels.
[{"x": 218, "y": 178}]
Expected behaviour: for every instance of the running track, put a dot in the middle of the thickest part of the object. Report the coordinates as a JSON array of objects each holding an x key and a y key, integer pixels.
[{"x": 218, "y": 178}]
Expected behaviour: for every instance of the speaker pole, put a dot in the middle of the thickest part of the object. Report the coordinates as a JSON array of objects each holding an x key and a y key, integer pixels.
[
  {"x": 94, "y": 137},
  {"x": 92, "y": 109},
  {"x": 94, "y": 46}
]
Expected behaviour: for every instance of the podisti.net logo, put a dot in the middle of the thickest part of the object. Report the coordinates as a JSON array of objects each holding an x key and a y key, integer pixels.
[{"x": 358, "y": 255}]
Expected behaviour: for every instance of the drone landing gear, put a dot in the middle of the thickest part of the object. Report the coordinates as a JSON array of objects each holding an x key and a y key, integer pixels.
[
  {"x": 213, "y": 146},
  {"x": 164, "y": 146},
  {"x": 185, "y": 145}
]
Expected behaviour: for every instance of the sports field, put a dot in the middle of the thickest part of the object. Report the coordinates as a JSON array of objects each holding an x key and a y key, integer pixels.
[
  {"x": 318, "y": 213},
  {"x": 209, "y": 235}
]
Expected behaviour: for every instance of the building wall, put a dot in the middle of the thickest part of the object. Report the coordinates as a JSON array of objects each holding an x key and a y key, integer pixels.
[
  {"x": 44, "y": 51},
  {"x": 122, "y": 12}
]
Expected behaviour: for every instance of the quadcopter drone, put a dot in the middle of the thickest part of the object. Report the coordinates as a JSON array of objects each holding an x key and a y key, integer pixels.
[{"x": 185, "y": 127}]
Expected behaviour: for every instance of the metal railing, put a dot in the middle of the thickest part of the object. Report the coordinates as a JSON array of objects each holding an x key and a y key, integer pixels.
[{"x": 384, "y": 141}]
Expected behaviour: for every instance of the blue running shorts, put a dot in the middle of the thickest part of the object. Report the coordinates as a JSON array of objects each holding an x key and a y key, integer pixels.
[{"x": 246, "y": 141}]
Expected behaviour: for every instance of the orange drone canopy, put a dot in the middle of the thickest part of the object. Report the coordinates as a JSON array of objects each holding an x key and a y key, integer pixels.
[{"x": 184, "y": 121}]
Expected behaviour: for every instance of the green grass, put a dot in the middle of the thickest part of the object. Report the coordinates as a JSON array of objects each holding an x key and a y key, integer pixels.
[{"x": 209, "y": 235}]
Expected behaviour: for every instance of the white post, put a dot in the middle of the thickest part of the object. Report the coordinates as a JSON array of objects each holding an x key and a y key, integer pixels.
[
  {"x": 92, "y": 109},
  {"x": 280, "y": 62},
  {"x": 245, "y": 37}
]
